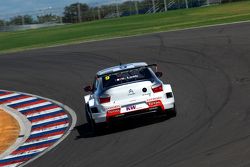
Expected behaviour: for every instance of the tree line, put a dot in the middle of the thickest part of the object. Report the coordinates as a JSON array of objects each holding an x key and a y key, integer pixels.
[
  {"x": 81, "y": 12},
  {"x": 29, "y": 19}
]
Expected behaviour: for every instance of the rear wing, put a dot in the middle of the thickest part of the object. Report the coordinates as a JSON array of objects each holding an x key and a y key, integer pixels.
[{"x": 126, "y": 69}]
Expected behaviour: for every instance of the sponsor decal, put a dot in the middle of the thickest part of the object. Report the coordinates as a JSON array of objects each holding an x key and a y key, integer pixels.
[
  {"x": 146, "y": 94},
  {"x": 130, "y": 108},
  {"x": 112, "y": 113},
  {"x": 113, "y": 107},
  {"x": 107, "y": 78},
  {"x": 127, "y": 78},
  {"x": 154, "y": 99},
  {"x": 156, "y": 103}
]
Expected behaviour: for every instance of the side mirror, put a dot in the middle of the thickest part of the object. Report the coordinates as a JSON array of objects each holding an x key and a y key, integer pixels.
[
  {"x": 159, "y": 74},
  {"x": 88, "y": 89}
]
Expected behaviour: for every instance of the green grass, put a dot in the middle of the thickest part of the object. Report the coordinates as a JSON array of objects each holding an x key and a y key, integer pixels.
[{"x": 125, "y": 26}]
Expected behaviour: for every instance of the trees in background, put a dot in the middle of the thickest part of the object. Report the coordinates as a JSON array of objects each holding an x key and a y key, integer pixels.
[
  {"x": 78, "y": 12},
  {"x": 21, "y": 20},
  {"x": 75, "y": 13},
  {"x": 81, "y": 12},
  {"x": 2, "y": 22}
]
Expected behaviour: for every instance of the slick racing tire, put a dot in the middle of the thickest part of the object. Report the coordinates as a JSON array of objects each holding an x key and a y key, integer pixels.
[
  {"x": 171, "y": 112},
  {"x": 88, "y": 117},
  {"x": 94, "y": 127}
]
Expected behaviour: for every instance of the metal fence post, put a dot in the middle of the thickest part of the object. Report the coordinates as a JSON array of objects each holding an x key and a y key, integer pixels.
[
  {"x": 61, "y": 19},
  {"x": 153, "y": 2},
  {"x": 136, "y": 7},
  {"x": 99, "y": 13},
  {"x": 23, "y": 21},
  {"x": 165, "y": 5},
  {"x": 186, "y": 2},
  {"x": 117, "y": 9},
  {"x": 208, "y": 2},
  {"x": 79, "y": 12}
]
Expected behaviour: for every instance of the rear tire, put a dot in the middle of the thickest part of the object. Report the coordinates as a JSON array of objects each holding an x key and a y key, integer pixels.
[
  {"x": 94, "y": 127},
  {"x": 171, "y": 112},
  {"x": 88, "y": 117}
]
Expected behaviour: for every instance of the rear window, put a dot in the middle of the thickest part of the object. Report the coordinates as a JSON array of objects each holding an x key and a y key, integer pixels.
[{"x": 131, "y": 75}]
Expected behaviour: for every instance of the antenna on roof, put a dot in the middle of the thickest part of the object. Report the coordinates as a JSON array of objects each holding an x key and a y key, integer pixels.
[{"x": 119, "y": 59}]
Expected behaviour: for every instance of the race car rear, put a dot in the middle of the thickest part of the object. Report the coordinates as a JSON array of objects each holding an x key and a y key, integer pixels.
[
  {"x": 127, "y": 93},
  {"x": 134, "y": 99}
]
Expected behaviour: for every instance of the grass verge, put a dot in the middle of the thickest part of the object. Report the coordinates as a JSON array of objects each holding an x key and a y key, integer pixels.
[{"x": 125, "y": 26}]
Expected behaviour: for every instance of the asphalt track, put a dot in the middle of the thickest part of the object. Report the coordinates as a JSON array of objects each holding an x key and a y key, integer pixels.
[{"x": 209, "y": 69}]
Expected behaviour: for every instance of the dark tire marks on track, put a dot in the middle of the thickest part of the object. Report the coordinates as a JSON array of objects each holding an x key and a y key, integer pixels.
[
  {"x": 208, "y": 122},
  {"x": 209, "y": 69}
]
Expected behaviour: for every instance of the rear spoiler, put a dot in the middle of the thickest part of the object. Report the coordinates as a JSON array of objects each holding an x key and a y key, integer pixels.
[{"x": 150, "y": 65}]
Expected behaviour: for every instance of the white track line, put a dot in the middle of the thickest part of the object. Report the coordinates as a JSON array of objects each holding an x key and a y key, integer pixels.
[
  {"x": 50, "y": 129},
  {"x": 44, "y": 112},
  {"x": 13, "y": 165},
  {"x": 20, "y": 101},
  {"x": 9, "y": 95},
  {"x": 43, "y": 140},
  {"x": 50, "y": 119},
  {"x": 25, "y": 153},
  {"x": 33, "y": 106}
]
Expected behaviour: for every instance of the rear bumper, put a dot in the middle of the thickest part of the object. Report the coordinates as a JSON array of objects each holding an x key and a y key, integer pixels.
[
  {"x": 106, "y": 118},
  {"x": 137, "y": 113}
]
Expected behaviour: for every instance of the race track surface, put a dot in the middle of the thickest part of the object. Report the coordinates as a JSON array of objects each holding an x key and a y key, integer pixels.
[{"x": 209, "y": 70}]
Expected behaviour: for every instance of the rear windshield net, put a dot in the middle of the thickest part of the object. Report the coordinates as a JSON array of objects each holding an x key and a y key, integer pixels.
[{"x": 126, "y": 77}]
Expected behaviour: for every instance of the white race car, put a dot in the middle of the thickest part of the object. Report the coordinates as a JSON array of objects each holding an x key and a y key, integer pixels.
[{"x": 125, "y": 91}]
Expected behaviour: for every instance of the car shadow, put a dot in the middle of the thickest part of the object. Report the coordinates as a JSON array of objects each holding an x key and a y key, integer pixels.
[{"x": 85, "y": 131}]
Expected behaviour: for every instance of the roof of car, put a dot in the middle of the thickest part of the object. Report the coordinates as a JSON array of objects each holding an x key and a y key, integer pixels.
[{"x": 121, "y": 67}]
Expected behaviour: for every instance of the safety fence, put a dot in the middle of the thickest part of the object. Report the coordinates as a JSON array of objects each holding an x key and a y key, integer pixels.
[{"x": 81, "y": 12}]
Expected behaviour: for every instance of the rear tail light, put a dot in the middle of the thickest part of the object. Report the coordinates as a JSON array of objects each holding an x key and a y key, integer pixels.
[
  {"x": 158, "y": 88},
  {"x": 104, "y": 99}
]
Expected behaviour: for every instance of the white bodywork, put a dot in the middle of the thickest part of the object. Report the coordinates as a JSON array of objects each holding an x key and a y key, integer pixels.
[{"x": 129, "y": 98}]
